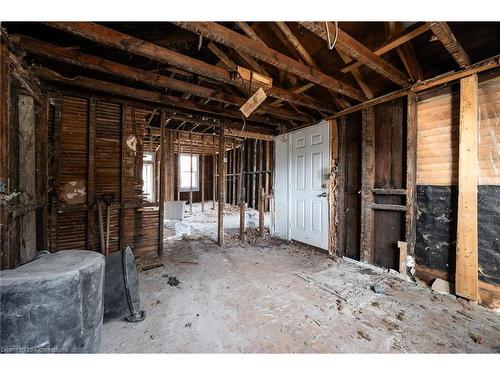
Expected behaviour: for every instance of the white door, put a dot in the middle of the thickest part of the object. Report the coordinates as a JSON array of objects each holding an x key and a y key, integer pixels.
[{"x": 308, "y": 177}]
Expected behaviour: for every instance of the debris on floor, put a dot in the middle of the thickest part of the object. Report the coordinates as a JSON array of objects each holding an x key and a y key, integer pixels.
[
  {"x": 172, "y": 281},
  {"x": 274, "y": 285},
  {"x": 441, "y": 286}
]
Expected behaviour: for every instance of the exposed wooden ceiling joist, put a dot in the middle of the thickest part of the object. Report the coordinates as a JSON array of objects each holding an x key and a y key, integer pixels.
[
  {"x": 150, "y": 96},
  {"x": 358, "y": 51},
  {"x": 106, "y": 66},
  {"x": 295, "y": 42},
  {"x": 259, "y": 51},
  {"x": 446, "y": 37},
  {"x": 400, "y": 39},
  {"x": 406, "y": 52},
  {"x": 112, "y": 38}
]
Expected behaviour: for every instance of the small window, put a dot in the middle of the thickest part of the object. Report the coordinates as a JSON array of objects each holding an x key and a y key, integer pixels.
[
  {"x": 188, "y": 170},
  {"x": 148, "y": 176}
]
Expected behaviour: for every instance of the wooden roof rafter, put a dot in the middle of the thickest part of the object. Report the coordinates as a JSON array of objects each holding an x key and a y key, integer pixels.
[
  {"x": 255, "y": 49},
  {"x": 358, "y": 51},
  {"x": 111, "y": 38},
  {"x": 152, "y": 79},
  {"x": 447, "y": 38}
]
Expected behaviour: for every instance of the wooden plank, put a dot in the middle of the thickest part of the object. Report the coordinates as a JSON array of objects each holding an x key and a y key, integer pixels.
[
  {"x": 387, "y": 207},
  {"x": 241, "y": 190},
  {"x": 112, "y": 38},
  {"x": 151, "y": 96},
  {"x": 267, "y": 172},
  {"x": 5, "y": 79},
  {"x": 91, "y": 196},
  {"x": 262, "y": 197},
  {"x": 389, "y": 191},
  {"x": 233, "y": 169},
  {"x": 123, "y": 155},
  {"x": 466, "y": 277},
  {"x": 336, "y": 190},
  {"x": 403, "y": 251},
  {"x": 406, "y": 52},
  {"x": 214, "y": 180},
  {"x": 367, "y": 181},
  {"x": 357, "y": 76},
  {"x": 162, "y": 193},
  {"x": 447, "y": 38},
  {"x": 411, "y": 172},
  {"x": 358, "y": 51},
  {"x": 247, "y": 134},
  {"x": 190, "y": 174},
  {"x": 394, "y": 42},
  {"x": 259, "y": 51},
  {"x": 249, "y": 32},
  {"x": 221, "y": 189},
  {"x": 253, "y": 102},
  {"x": 254, "y": 77},
  {"x": 202, "y": 175}
]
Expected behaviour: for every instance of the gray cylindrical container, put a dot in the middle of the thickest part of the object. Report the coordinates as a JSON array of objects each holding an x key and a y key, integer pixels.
[
  {"x": 121, "y": 287},
  {"x": 53, "y": 304}
]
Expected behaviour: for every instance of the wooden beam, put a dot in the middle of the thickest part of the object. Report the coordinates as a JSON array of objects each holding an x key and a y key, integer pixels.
[
  {"x": 222, "y": 188},
  {"x": 249, "y": 32},
  {"x": 392, "y": 43},
  {"x": 214, "y": 166},
  {"x": 466, "y": 277},
  {"x": 246, "y": 134},
  {"x": 162, "y": 193},
  {"x": 259, "y": 51},
  {"x": 310, "y": 61},
  {"x": 446, "y": 37},
  {"x": 80, "y": 59},
  {"x": 406, "y": 53},
  {"x": 358, "y": 51},
  {"x": 482, "y": 66},
  {"x": 202, "y": 174},
  {"x": 357, "y": 76},
  {"x": 411, "y": 173},
  {"x": 367, "y": 182},
  {"x": 112, "y": 38},
  {"x": 150, "y": 96}
]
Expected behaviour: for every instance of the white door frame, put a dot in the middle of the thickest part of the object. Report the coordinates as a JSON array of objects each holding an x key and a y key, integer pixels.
[{"x": 286, "y": 191}]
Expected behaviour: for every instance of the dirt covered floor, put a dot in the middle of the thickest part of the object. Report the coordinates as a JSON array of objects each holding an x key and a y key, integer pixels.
[{"x": 270, "y": 296}]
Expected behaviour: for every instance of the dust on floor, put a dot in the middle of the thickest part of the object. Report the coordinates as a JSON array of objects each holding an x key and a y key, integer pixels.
[{"x": 270, "y": 296}]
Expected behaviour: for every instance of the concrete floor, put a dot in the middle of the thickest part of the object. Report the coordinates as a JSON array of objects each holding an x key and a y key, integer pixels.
[{"x": 270, "y": 296}]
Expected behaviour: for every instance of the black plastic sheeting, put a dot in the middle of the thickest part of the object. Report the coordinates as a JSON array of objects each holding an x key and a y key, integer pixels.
[
  {"x": 437, "y": 223},
  {"x": 489, "y": 233}
]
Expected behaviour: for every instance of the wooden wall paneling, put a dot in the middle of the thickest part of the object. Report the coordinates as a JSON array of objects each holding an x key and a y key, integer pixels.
[
  {"x": 350, "y": 151},
  {"x": 389, "y": 175},
  {"x": 91, "y": 194},
  {"x": 466, "y": 278},
  {"x": 123, "y": 168},
  {"x": 411, "y": 173},
  {"x": 367, "y": 183},
  {"x": 108, "y": 162}
]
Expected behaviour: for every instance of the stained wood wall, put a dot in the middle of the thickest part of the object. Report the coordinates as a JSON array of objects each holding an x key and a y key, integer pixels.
[
  {"x": 97, "y": 148},
  {"x": 437, "y": 178}
]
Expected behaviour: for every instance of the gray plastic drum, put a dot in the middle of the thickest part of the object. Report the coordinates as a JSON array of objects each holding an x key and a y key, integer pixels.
[{"x": 53, "y": 304}]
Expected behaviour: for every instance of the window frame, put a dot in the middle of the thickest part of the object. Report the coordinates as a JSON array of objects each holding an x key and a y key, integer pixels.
[{"x": 196, "y": 173}]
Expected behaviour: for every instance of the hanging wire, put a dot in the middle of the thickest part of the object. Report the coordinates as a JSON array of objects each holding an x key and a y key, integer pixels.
[{"x": 330, "y": 44}]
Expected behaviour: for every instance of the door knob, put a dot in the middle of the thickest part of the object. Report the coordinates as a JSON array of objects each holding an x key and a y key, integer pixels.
[{"x": 322, "y": 195}]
